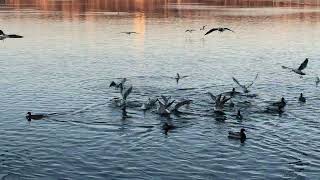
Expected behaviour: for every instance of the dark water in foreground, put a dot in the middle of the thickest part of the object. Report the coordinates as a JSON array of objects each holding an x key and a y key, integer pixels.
[{"x": 67, "y": 59}]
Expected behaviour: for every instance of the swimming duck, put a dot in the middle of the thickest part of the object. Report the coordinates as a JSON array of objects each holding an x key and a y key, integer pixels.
[
  {"x": 301, "y": 98},
  {"x": 302, "y": 66},
  {"x": 238, "y": 135},
  {"x": 275, "y": 109},
  {"x": 239, "y": 115},
  {"x": 30, "y": 116},
  {"x": 281, "y": 104},
  {"x": 167, "y": 127},
  {"x": 4, "y": 36},
  {"x": 234, "y": 92}
]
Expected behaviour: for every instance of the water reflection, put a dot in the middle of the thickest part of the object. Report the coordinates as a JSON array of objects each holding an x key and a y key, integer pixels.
[{"x": 82, "y": 6}]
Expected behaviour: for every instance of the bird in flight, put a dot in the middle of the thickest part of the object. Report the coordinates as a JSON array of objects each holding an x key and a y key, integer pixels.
[
  {"x": 190, "y": 30},
  {"x": 178, "y": 77},
  {"x": 4, "y": 36},
  {"x": 203, "y": 28},
  {"x": 118, "y": 85},
  {"x": 130, "y": 32},
  {"x": 302, "y": 66},
  {"x": 245, "y": 88},
  {"x": 219, "y": 102},
  {"x": 220, "y": 29}
]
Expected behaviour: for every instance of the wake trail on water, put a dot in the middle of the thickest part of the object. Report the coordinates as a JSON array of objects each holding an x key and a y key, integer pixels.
[{"x": 74, "y": 112}]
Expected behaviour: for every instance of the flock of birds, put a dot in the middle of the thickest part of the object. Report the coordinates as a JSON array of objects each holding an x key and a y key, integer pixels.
[
  {"x": 165, "y": 106},
  {"x": 219, "y": 29}
]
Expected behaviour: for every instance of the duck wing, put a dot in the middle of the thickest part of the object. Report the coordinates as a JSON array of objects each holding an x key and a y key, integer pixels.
[
  {"x": 303, "y": 65},
  {"x": 182, "y": 103},
  {"x": 169, "y": 104},
  {"x": 228, "y": 29},
  {"x": 165, "y": 99},
  {"x": 225, "y": 99},
  {"x": 152, "y": 102},
  {"x": 211, "y": 30},
  {"x": 253, "y": 80},
  {"x": 237, "y": 82},
  {"x": 113, "y": 84},
  {"x": 126, "y": 93},
  {"x": 285, "y": 67},
  {"x": 14, "y": 36},
  {"x": 213, "y": 97}
]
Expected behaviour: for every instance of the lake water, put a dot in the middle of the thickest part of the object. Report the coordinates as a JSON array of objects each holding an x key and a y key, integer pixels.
[{"x": 72, "y": 50}]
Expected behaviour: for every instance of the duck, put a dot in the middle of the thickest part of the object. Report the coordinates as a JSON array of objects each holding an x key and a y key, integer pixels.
[
  {"x": 162, "y": 110},
  {"x": 119, "y": 85},
  {"x": 30, "y": 116},
  {"x": 167, "y": 127},
  {"x": 220, "y": 102},
  {"x": 302, "y": 66},
  {"x": 239, "y": 115},
  {"x": 301, "y": 98},
  {"x": 234, "y": 92},
  {"x": 238, "y": 135},
  {"x": 150, "y": 104},
  {"x": 281, "y": 104},
  {"x": 275, "y": 109},
  {"x": 246, "y": 87},
  {"x": 4, "y": 36}
]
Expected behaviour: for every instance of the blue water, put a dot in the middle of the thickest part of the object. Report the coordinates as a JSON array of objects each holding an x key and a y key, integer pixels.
[{"x": 66, "y": 60}]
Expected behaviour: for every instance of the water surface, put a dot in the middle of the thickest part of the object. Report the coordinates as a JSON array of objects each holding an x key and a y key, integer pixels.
[{"x": 72, "y": 51}]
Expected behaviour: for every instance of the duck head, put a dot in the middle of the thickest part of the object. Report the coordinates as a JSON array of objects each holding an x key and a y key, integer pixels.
[
  {"x": 1, "y": 32},
  {"x": 242, "y": 130},
  {"x": 28, "y": 116},
  {"x": 301, "y": 95}
]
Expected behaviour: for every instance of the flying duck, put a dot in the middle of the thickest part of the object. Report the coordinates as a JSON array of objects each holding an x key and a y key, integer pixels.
[{"x": 302, "y": 66}]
